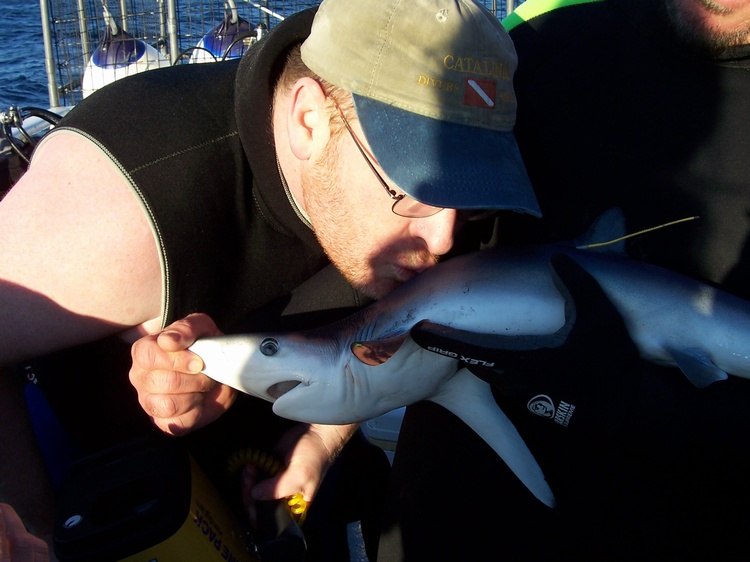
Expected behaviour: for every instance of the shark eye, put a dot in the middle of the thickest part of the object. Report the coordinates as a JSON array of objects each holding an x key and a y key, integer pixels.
[{"x": 269, "y": 346}]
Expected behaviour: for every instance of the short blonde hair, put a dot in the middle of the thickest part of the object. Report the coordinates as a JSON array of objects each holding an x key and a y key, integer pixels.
[{"x": 295, "y": 68}]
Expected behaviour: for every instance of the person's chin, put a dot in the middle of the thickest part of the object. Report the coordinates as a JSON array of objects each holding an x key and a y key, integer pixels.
[{"x": 381, "y": 286}]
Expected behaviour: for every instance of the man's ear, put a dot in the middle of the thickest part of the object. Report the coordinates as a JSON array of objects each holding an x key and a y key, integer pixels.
[{"x": 308, "y": 122}]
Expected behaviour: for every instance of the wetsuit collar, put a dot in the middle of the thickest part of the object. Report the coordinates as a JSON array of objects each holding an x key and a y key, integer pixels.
[{"x": 256, "y": 78}]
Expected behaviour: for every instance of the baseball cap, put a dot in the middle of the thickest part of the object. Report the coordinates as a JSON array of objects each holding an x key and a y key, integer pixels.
[{"x": 432, "y": 83}]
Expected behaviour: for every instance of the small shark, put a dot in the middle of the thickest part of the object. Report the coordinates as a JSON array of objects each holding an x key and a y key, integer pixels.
[{"x": 367, "y": 364}]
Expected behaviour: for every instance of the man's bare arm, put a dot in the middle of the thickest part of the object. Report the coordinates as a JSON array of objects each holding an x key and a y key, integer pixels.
[{"x": 78, "y": 259}]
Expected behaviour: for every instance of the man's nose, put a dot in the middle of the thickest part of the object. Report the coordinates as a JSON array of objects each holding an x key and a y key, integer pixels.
[{"x": 436, "y": 231}]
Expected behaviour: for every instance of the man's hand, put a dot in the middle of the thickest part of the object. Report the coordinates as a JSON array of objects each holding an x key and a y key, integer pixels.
[
  {"x": 171, "y": 388},
  {"x": 16, "y": 543},
  {"x": 308, "y": 451}
]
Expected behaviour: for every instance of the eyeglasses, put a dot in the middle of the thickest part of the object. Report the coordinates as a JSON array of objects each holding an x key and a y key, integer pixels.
[{"x": 403, "y": 204}]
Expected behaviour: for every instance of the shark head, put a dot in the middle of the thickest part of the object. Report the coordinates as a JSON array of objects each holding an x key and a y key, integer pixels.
[
  {"x": 371, "y": 379},
  {"x": 320, "y": 380}
]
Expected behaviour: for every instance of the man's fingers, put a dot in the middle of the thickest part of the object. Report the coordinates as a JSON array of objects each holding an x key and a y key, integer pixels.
[
  {"x": 148, "y": 355},
  {"x": 176, "y": 395},
  {"x": 16, "y": 543},
  {"x": 27, "y": 548},
  {"x": 170, "y": 382},
  {"x": 179, "y": 425},
  {"x": 170, "y": 405},
  {"x": 183, "y": 333},
  {"x": 177, "y": 414},
  {"x": 168, "y": 349}
]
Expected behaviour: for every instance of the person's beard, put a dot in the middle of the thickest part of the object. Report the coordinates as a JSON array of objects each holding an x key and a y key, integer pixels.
[
  {"x": 343, "y": 233},
  {"x": 692, "y": 32},
  {"x": 333, "y": 223}
]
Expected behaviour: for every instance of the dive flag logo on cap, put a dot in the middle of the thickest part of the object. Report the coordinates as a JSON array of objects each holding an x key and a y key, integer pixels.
[{"x": 480, "y": 92}]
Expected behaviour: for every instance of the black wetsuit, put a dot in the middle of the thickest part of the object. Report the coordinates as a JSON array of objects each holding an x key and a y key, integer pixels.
[
  {"x": 611, "y": 113},
  {"x": 195, "y": 143}
]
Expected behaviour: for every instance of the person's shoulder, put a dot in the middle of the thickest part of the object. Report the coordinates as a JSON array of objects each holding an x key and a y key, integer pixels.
[
  {"x": 537, "y": 13},
  {"x": 547, "y": 25},
  {"x": 161, "y": 91},
  {"x": 556, "y": 32}
]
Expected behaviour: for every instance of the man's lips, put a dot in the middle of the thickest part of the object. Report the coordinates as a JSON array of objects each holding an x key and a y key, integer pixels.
[
  {"x": 406, "y": 272},
  {"x": 403, "y": 274}
]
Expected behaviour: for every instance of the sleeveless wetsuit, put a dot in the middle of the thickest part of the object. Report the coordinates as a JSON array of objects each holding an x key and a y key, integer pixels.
[{"x": 195, "y": 144}]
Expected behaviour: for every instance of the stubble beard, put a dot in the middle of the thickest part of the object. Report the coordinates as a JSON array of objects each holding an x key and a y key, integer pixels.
[
  {"x": 344, "y": 236},
  {"x": 694, "y": 32},
  {"x": 336, "y": 229}
]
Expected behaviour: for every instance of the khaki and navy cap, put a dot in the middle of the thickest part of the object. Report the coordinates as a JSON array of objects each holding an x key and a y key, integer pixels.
[{"x": 432, "y": 82}]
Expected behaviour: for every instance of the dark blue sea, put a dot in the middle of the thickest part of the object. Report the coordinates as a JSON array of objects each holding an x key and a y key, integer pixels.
[
  {"x": 22, "y": 77},
  {"x": 23, "y": 80}
]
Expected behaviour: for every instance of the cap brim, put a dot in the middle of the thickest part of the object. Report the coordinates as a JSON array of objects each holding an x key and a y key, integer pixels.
[{"x": 446, "y": 164}]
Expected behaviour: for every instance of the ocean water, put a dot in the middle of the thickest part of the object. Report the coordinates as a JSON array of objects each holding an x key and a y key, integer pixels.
[{"x": 23, "y": 80}]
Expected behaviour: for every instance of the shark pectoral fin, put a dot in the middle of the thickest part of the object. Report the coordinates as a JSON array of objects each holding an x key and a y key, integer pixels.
[
  {"x": 697, "y": 367},
  {"x": 470, "y": 399},
  {"x": 377, "y": 352}
]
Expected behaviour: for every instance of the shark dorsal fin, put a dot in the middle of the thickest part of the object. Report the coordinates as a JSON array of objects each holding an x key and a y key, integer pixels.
[
  {"x": 609, "y": 232},
  {"x": 605, "y": 234}
]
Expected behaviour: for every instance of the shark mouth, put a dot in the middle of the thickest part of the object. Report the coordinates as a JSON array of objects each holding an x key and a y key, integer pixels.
[{"x": 279, "y": 389}]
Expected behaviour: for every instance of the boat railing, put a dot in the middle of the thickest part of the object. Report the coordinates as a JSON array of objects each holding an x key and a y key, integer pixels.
[{"x": 73, "y": 30}]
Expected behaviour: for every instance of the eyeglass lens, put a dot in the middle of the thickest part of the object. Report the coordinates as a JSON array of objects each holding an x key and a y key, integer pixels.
[{"x": 404, "y": 205}]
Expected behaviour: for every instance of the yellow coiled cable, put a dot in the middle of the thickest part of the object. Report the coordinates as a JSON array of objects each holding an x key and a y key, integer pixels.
[{"x": 272, "y": 466}]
